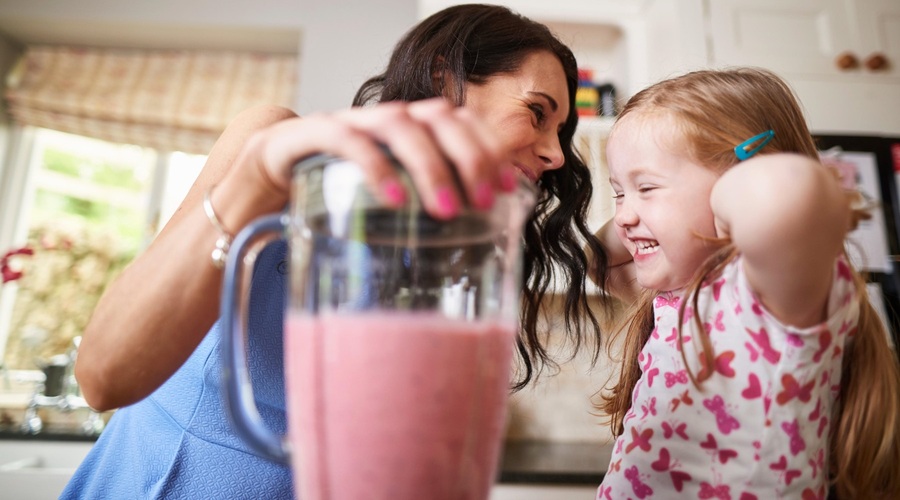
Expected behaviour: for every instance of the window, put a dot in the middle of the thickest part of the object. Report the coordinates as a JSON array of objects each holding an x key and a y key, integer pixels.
[{"x": 88, "y": 208}]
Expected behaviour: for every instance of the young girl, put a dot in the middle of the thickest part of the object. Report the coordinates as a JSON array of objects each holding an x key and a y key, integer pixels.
[{"x": 754, "y": 364}]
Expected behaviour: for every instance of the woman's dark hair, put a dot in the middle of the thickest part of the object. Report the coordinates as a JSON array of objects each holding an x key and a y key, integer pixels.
[{"x": 471, "y": 43}]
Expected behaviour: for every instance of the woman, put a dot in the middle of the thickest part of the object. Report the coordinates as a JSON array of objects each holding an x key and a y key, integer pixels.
[{"x": 505, "y": 87}]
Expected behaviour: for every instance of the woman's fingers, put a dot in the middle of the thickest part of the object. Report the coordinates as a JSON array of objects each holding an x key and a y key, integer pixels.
[
  {"x": 442, "y": 147},
  {"x": 468, "y": 146}
]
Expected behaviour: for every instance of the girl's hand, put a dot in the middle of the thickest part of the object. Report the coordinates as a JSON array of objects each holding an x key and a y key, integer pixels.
[
  {"x": 621, "y": 280},
  {"x": 429, "y": 138}
]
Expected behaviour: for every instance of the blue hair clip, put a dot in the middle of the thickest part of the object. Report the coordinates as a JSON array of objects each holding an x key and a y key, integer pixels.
[{"x": 756, "y": 142}]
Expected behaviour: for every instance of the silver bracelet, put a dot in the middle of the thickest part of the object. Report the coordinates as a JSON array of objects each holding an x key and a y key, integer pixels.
[{"x": 223, "y": 244}]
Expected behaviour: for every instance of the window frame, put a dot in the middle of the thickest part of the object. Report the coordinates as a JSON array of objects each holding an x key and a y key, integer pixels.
[{"x": 18, "y": 173}]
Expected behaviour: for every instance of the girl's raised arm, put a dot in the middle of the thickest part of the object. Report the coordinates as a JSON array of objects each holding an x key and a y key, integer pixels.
[{"x": 788, "y": 216}]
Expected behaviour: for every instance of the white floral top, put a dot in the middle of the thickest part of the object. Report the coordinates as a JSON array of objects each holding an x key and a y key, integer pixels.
[{"x": 758, "y": 426}]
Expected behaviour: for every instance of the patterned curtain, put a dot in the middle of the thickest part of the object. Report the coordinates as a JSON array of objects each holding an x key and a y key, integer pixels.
[{"x": 165, "y": 99}]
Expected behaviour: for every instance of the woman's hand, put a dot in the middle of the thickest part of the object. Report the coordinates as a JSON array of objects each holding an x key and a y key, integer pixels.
[{"x": 429, "y": 138}]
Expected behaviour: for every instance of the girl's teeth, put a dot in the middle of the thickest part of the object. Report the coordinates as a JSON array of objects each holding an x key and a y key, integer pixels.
[{"x": 644, "y": 248}]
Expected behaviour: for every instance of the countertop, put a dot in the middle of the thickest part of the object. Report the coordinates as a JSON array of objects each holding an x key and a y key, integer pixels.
[
  {"x": 554, "y": 462},
  {"x": 533, "y": 462},
  {"x": 49, "y": 433}
]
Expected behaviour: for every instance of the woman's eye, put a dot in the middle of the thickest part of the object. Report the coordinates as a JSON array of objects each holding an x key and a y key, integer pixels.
[{"x": 538, "y": 112}]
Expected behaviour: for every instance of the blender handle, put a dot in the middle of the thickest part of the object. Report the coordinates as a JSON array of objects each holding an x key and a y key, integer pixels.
[{"x": 237, "y": 390}]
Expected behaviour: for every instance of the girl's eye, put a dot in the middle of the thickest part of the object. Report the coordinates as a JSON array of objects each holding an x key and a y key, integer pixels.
[
  {"x": 618, "y": 196},
  {"x": 538, "y": 112},
  {"x": 645, "y": 189}
]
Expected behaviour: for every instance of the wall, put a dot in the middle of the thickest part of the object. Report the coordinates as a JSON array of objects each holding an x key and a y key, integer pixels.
[{"x": 340, "y": 43}]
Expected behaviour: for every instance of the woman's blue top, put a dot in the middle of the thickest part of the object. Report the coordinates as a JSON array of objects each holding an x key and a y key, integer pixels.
[{"x": 178, "y": 442}]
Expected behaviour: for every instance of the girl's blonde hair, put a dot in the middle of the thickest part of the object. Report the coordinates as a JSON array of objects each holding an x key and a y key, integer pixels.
[{"x": 715, "y": 110}]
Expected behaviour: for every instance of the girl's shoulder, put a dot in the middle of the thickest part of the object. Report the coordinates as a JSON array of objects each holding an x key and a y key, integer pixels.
[{"x": 732, "y": 285}]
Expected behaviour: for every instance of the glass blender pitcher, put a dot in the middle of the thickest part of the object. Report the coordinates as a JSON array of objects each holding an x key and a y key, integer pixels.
[{"x": 399, "y": 338}]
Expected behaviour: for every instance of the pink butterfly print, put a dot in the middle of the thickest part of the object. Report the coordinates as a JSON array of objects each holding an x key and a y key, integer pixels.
[
  {"x": 722, "y": 365},
  {"x": 641, "y": 489},
  {"x": 724, "y": 420},
  {"x": 641, "y": 440},
  {"x": 756, "y": 308},
  {"x": 756, "y": 445},
  {"x": 793, "y": 389},
  {"x": 754, "y": 354},
  {"x": 844, "y": 271},
  {"x": 809, "y": 494},
  {"x": 688, "y": 316},
  {"x": 665, "y": 464},
  {"x": 673, "y": 338},
  {"x": 761, "y": 339},
  {"x": 717, "y": 324},
  {"x": 748, "y": 496},
  {"x": 651, "y": 372},
  {"x": 669, "y": 430},
  {"x": 793, "y": 431},
  {"x": 717, "y": 288},
  {"x": 754, "y": 390},
  {"x": 787, "y": 474},
  {"x": 824, "y": 344},
  {"x": 667, "y": 301},
  {"x": 818, "y": 463},
  {"x": 649, "y": 408},
  {"x": 738, "y": 309},
  {"x": 815, "y": 413},
  {"x": 794, "y": 340},
  {"x": 823, "y": 424},
  {"x": 712, "y": 445},
  {"x": 845, "y": 327},
  {"x": 673, "y": 378},
  {"x": 605, "y": 493},
  {"x": 684, "y": 398},
  {"x": 721, "y": 491},
  {"x": 619, "y": 444}
]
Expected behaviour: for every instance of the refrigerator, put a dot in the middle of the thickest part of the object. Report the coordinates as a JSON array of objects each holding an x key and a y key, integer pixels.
[{"x": 873, "y": 164}]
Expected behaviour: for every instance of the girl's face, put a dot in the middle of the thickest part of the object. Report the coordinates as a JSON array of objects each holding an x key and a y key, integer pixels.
[
  {"x": 662, "y": 201},
  {"x": 527, "y": 109}
]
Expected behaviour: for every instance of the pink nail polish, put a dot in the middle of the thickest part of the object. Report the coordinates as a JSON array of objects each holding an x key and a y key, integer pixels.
[
  {"x": 484, "y": 195},
  {"x": 394, "y": 192},
  {"x": 447, "y": 202},
  {"x": 508, "y": 179}
]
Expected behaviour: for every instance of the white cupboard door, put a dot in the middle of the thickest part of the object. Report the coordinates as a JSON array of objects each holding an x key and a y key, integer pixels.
[
  {"x": 879, "y": 32},
  {"x": 798, "y": 37}
]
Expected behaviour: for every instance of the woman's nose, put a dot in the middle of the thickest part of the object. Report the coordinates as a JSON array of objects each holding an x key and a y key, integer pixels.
[{"x": 551, "y": 153}]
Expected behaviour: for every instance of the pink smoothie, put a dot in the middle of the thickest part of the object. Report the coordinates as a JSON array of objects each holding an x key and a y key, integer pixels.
[{"x": 396, "y": 406}]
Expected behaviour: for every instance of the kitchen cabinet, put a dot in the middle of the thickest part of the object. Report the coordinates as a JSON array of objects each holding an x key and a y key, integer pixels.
[
  {"x": 842, "y": 57},
  {"x": 836, "y": 39}
]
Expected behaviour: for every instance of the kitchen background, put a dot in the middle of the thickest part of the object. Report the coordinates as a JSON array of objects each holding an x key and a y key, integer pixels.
[{"x": 841, "y": 56}]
